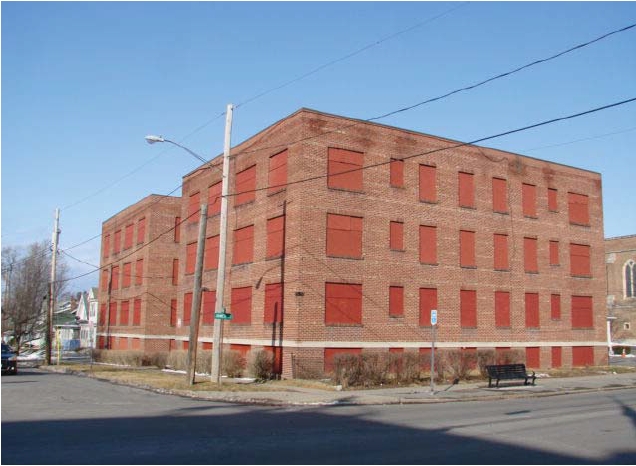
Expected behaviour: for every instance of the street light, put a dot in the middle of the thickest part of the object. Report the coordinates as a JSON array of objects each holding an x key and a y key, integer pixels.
[{"x": 151, "y": 139}]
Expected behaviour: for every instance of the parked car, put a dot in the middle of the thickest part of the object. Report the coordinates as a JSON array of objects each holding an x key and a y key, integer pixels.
[{"x": 9, "y": 360}]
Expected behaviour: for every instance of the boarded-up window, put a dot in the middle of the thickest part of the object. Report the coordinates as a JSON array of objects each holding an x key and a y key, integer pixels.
[
  {"x": 211, "y": 255},
  {"x": 273, "y": 312},
  {"x": 530, "y": 263},
  {"x": 397, "y": 173},
  {"x": 428, "y": 183},
  {"x": 241, "y": 305},
  {"x": 533, "y": 357},
  {"x": 194, "y": 207},
  {"x": 243, "y": 245},
  {"x": 555, "y": 306},
  {"x": 141, "y": 230},
  {"x": 467, "y": 249},
  {"x": 580, "y": 265},
  {"x": 428, "y": 302},
  {"x": 428, "y": 244},
  {"x": 128, "y": 236},
  {"x": 553, "y": 205},
  {"x": 343, "y": 303},
  {"x": 582, "y": 315},
  {"x": 502, "y": 309},
  {"x": 175, "y": 271},
  {"x": 425, "y": 358},
  {"x": 557, "y": 358},
  {"x": 137, "y": 312},
  {"x": 209, "y": 304},
  {"x": 139, "y": 272},
  {"x": 244, "y": 352},
  {"x": 191, "y": 258},
  {"x": 124, "y": 312},
  {"x": 330, "y": 355},
  {"x": 396, "y": 301},
  {"x": 112, "y": 313},
  {"x": 127, "y": 272},
  {"x": 187, "y": 309},
  {"x": 345, "y": 169},
  {"x": 277, "y": 177},
  {"x": 582, "y": 356},
  {"x": 468, "y": 308},
  {"x": 500, "y": 252},
  {"x": 554, "y": 253},
  {"x": 529, "y": 200},
  {"x": 115, "y": 278},
  {"x": 396, "y": 236},
  {"x": 135, "y": 344},
  {"x": 532, "y": 310},
  {"x": 499, "y": 195},
  {"x": 214, "y": 199},
  {"x": 275, "y": 237},
  {"x": 277, "y": 358},
  {"x": 466, "y": 190},
  {"x": 344, "y": 236},
  {"x": 245, "y": 186},
  {"x": 117, "y": 242},
  {"x": 173, "y": 312},
  {"x": 177, "y": 229},
  {"x": 106, "y": 246},
  {"x": 578, "y": 209}
]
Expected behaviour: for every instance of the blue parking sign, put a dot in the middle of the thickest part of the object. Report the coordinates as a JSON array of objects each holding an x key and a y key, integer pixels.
[{"x": 433, "y": 316}]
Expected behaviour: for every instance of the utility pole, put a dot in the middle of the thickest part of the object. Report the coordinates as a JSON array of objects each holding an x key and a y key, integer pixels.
[
  {"x": 49, "y": 319},
  {"x": 196, "y": 296},
  {"x": 220, "y": 280}
]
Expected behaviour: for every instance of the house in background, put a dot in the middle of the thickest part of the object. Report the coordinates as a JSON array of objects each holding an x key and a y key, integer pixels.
[
  {"x": 66, "y": 327},
  {"x": 620, "y": 262},
  {"x": 87, "y": 317}
]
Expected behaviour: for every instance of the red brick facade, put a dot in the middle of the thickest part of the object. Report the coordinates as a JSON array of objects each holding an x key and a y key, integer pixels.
[{"x": 487, "y": 237}]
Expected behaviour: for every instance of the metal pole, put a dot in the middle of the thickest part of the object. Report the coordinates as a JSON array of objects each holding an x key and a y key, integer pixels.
[
  {"x": 196, "y": 296},
  {"x": 220, "y": 281},
  {"x": 49, "y": 319},
  {"x": 433, "y": 360}
]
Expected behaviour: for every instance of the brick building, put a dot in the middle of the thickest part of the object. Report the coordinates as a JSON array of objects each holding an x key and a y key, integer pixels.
[
  {"x": 620, "y": 260},
  {"x": 343, "y": 235}
]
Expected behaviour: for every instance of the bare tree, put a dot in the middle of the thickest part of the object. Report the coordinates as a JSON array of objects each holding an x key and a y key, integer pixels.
[{"x": 25, "y": 278}]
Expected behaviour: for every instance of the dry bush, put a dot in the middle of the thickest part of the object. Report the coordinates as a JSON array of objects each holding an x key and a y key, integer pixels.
[
  {"x": 376, "y": 368},
  {"x": 233, "y": 363},
  {"x": 456, "y": 364},
  {"x": 262, "y": 365},
  {"x": 177, "y": 360},
  {"x": 158, "y": 359},
  {"x": 511, "y": 356},
  {"x": 204, "y": 362},
  {"x": 410, "y": 368},
  {"x": 348, "y": 370},
  {"x": 119, "y": 357},
  {"x": 485, "y": 358}
]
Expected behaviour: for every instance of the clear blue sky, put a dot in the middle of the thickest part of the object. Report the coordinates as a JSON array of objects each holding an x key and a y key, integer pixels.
[{"x": 83, "y": 83}]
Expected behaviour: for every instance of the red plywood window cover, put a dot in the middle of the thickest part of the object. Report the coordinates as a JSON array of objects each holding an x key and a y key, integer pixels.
[
  {"x": 529, "y": 200},
  {"x": 141, "y": 230},
  {"x": 106, "y": 246},
  {"x": 428, "y": 302},
  {"x": 553, "y": 205},
  {"x": 530, "y": 262},
  {"x": 245, "y": 186},
  {"x": 273, "y": 312},
  {"x": 344, "y": 236},
  {"x": 277, "y": 176},
  {"x": 344, "y": 168},
  {"x": 124, "y": 312},
  {"x": 582, "y": 356},
  {"x": 117, "y": 242},
  {"x": 177, "y": 229},
  {"x": 580, "y": 264},
  {"x": 555, "y": 307},
  {"x": 330, "y": 355},
  {"x": 397, "y": 173},
  {"x": 187, "y": 309},
  {"x": 128, "y": 236},
  {"x": 502, "y": 309},
  {"x": 467, "y": 249},
  {"x": 214, "y": 199},
  {"x": 343, "y": 304},
  {"x": 557, "y": 358},
  {"x": 396, "y": 236},
  {"x": 578, "y": 209},
  {"x": 136, "y": 344},
  {"x": 533, "y": 357},
  {"x": 191, "y": 258},
  {"x": 243, "y": 245},
  {"x": 241, "y": 305},
  {"x": 501, "y": 252},
  {"x": 137, "y": 312},
  {"x": 175, "y": 271},
  {"x": 468, "y": 308},
  {"x": 208, "y": 307},
  {"x": 211, "y": 255},
  {"x": 396, "y": 301},
  {"x": 499, "y": 195},
  {"x": 582, "y": 313},
  {"x": 194, "y": 207},
  {"x": 139, "y": 272},
  {"x": 127, "y": 272},
  {"x": 275, "y": 237},
  {"x": 532, "y": 310},
  {"x": 466, "y": 190},
  {"x": 112, "y": 313},
  {"x": 277, "y": 357},
  {"x": 554, "y": 253},
  {"x": 115, "y": 278},
  {"x": 173, "y": 312},
  {"x": 428, "y": 183},
  {"x": 428, "y": 244}
]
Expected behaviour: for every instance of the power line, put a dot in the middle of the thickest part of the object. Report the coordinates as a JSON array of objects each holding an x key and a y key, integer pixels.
[{"x": 583, "y": 139}]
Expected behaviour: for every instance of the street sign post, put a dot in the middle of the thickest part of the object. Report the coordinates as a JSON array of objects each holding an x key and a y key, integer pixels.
[
  {"x": 434, "y": 317},
  {"x": 434, "y": 325},
  {"x": 222, "y": 316}
]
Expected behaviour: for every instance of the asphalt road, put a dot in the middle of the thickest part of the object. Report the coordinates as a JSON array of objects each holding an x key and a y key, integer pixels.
[{"x": 52, "y": 418}]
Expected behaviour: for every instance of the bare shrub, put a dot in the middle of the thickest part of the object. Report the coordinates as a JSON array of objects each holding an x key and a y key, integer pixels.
[
  {"x": 456, "y": 364},
  {"x": 177, "y": 360},
  {"x": 158, "y": 359},
  {"x": 204, "y": 362},
  {"x": 233, "y": 363},
  {"x": 347, "y": 370},
  {"x": 375, "y": 368},
  {"x": 410, "y": 368},
  {"x": 120, "y": 358},
  {"x": 262, "y": 365},
  {"x": 511, "y": 357},
  {"x": 485, "y": 357}
]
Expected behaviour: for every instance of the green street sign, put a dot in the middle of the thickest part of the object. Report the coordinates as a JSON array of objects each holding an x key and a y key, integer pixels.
[{"x": 222, "y": 316}]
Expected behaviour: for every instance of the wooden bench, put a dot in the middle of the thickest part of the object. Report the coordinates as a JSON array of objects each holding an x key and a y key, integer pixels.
[{"x": 508, "y": 372}]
